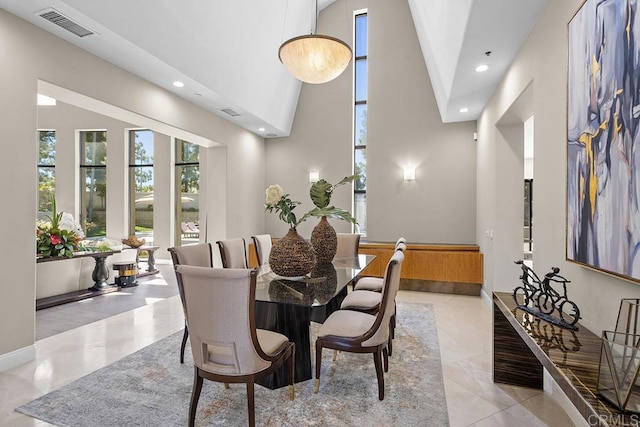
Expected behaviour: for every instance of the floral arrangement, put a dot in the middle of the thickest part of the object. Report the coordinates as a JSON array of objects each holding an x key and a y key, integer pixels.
[
  {"x": 277, "y": 201},
  {"x": 320, "y": 193},
  {"x": 59, "y": 236}
]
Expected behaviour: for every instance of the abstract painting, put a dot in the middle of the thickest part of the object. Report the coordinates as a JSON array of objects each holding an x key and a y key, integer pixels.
[{"x": 603, "y": 151}]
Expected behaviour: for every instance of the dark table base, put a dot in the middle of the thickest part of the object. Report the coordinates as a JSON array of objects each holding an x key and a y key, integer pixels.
[{"x": 293, "y": 321}]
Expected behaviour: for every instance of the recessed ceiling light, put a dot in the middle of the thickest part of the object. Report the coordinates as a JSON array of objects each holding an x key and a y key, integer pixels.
[
  {"x": 261, "y": 129},
  {"x": 463, "y": 110},
  {"x": 482, "y": 67},
  {"x": 178, "y": 83}
]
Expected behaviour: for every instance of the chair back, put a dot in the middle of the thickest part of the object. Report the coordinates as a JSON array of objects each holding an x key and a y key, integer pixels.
[
  {"x": 400, "y": 241},
  {"x": 262, "y": 244},
  {"x": 348, "y": 245},
  {"x": 220, "y": 311},
  {"x": 233, "y": 253},
  {"x": 379, "y": 331},
  {"x": 199, "y": 255}
]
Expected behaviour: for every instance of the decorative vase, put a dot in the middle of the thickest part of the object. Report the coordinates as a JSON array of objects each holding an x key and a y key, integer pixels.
[
  {"x": 291, "y": 256},
  {"x": 324, "y": 241},
  {"x": 325, "y": 289}
]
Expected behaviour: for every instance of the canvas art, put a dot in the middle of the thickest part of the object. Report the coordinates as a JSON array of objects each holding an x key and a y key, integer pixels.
[{"x": 603, "y": 152}]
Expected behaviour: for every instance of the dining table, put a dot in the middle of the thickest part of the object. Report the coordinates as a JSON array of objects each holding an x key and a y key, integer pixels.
[{"x": 288, "y": 306}]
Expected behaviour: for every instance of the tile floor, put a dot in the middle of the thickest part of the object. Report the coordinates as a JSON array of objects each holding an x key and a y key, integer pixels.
[{"x": 464, "y": 330}]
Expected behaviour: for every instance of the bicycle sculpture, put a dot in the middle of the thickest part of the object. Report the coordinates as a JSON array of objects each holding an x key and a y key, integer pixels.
[{"x": 542, "y": 300}]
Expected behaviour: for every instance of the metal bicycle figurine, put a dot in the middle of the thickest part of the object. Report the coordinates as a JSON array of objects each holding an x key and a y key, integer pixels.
[{"x": 542, "y": 300}]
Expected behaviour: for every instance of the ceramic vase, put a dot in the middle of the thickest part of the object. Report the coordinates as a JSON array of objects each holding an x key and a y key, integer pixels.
[
  {"x": 292, "y": 255},
  {"x": 324, "y": 241}
]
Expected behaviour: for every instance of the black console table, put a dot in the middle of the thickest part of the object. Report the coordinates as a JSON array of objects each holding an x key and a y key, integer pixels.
[
  {"x": 100, "y": 275},
  {"x": 523, "y": 345}
]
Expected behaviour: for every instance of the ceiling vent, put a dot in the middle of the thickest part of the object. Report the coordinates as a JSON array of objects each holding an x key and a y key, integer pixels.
[
  {"x": 230, "y": 112},
  {"x": 55, "y": 17},
  {"x": 271, "y": 135}
]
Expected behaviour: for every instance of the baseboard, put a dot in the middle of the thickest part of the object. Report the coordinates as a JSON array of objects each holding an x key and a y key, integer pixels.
[
  {"x": 488, "y": 301},
  {"x": 554, "y": 390},
  {"x": 17, "y": 357},
  {"x": 441, "y": 287}
]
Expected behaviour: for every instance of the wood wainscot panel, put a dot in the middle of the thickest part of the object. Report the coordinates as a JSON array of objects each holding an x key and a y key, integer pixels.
[
  {"x": 436, "y": 268},
  {"x": 464, "y": 267},
  {"x": 376, "y": 268},
  {"x": 251, "y": 254}
]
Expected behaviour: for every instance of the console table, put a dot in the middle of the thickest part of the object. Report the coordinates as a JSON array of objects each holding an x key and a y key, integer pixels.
[
  {"x": 151, "y": 260},
  {"x": 99, "y": 275},
  {"x": 523, "y": 345}
]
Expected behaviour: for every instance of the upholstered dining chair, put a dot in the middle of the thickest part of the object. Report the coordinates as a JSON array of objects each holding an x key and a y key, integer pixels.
[
  {"x": 199, "y": 255},
  {"x": 233, "y": 253},
  {"x": 357, "y": 332},
  {"x": 348, "y": 245},
  {"x": 375, "y": 283},
  {"x": 262, "y": 245},
  {"x": 366, "y": 296},
  {"x": 227, "y": 347}
]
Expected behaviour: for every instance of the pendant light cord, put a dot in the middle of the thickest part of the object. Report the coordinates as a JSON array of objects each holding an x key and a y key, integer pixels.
[
  {"x": 315, "y": 23},
  {"x": 284, "y": 22}
]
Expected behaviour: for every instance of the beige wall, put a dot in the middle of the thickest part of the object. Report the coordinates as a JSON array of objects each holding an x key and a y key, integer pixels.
[
  {"x": 404, "y": 127},
  {"x": 540, "y": 69},
  {"x": 28, "y": 54}
]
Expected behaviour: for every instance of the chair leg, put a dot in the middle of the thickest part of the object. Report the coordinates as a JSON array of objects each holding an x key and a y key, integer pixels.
[
  {"x": 226, "y": 386},
  {"x": 195, "y": 396},
  {"x": 393, "y": 326},
  {"x": 385, "y": 356},
  {"x": 335, "y": 355},
  {"x": 390, "y": 345},
  {"x": 185, "y": 335},
  {"x": 251, "y": 404},
  {"x": 378, "y": 362},
  {"x": 291, "y": 362},
  {"x": 316, "y": 385}
]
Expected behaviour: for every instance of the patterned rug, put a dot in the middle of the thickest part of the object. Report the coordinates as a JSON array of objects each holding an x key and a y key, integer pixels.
[{"x": 151, "y": 388}]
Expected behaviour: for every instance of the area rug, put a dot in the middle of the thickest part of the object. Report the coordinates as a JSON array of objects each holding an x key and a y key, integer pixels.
[{"x": 151, "y": 388}]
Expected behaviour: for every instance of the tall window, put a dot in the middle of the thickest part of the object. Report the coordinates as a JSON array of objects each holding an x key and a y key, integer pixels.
[
  {"x": 187, "y": 192},
  {"x": 528, "y": 218},
  {"x": 360, "y": 121},
  {"x": 93, "y": 182},
  {"x": 46, "y": 171},
  {"x": 141, "y": 184}
]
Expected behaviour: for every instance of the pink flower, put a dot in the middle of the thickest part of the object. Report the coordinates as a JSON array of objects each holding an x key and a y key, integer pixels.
[{"x": 55, "y": 239}]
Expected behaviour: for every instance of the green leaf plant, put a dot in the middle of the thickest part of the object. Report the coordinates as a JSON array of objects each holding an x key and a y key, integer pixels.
[{"x": 320, "y": 193}]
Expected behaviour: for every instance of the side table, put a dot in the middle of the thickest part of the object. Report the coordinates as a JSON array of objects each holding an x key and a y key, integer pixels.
[{"x": 151, "y": 260}]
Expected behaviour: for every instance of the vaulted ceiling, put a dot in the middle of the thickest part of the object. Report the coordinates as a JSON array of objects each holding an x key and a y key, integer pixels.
[{"x": 225, "y": 52}]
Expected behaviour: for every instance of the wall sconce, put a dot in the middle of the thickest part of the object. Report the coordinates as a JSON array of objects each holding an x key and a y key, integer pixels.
[
  {"x": 409, "y": 174},
  {"x": 314, "y": 176}
]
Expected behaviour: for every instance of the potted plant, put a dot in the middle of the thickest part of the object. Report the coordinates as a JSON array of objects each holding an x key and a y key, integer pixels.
[{"x": 323, "y": 237}]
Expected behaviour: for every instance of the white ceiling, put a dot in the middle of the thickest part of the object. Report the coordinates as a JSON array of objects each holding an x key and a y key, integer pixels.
[{"x": 226, "y": 51}]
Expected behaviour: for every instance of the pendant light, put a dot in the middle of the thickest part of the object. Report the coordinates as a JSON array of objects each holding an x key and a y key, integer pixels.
[{"x": 315, "y": 58}]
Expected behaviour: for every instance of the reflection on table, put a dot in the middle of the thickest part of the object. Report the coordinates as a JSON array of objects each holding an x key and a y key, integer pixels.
[{"x": 287, "y": 306}]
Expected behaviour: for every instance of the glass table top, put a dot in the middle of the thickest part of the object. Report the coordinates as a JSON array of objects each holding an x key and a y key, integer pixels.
[{"x": 317, "y": 288}]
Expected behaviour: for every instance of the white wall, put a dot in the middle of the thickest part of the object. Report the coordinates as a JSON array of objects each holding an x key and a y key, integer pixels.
[
  {"x": 404, "y": 127},
  {"x": 29, "y": 54},
  {"x": 543, "y": 62}
]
